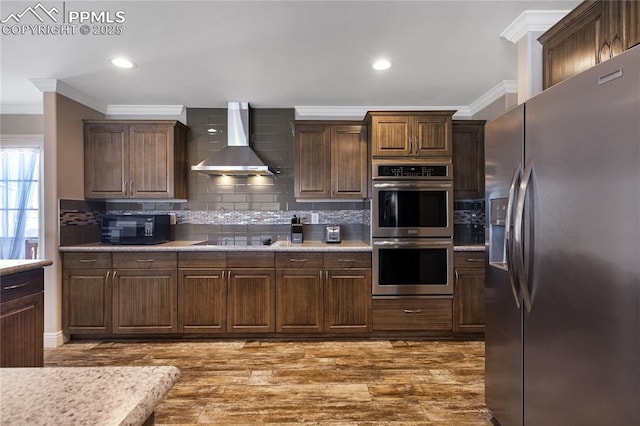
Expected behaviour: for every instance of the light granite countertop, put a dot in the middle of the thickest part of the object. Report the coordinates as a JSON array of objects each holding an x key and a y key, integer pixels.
[
  {"x": 314, "y": 246},
  {"x": 11, "y": 266},
  {"x": 82, "y": 395}
]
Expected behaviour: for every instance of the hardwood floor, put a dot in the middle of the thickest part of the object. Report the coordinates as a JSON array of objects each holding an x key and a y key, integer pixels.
[{"x": 317, "y": 382}]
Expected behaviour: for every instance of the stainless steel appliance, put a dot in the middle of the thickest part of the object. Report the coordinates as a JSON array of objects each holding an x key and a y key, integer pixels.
[
  {"x": 563, "y": 276},
  {"x": 412, "y": 228},
  {"x": 136, "y": 229},
  {"x": 412, "y": 198},
  {"x": 296, "y": 230},
  {"x": 333, "y": 234}
]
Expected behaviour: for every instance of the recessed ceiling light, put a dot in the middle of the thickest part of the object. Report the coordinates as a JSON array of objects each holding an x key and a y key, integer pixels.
[
  {"x": 122, "y": 62},
  {"x": 381, "y": 64}
]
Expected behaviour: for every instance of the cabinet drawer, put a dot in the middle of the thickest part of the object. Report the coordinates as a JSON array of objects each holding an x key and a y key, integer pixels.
[
  {"x": 202, "y": 260},
  {"x": 468, "y": 259},
  {"x": 413, "y": 314},
  {"x": 250, "y": 259},
  {"x": 299, "y": 260},
  {"x": 145, "y": 260},
  {"x": 87, "y": 260},
  {"x": 21, "y": 284},
  {"x": 345, "y": 260}
]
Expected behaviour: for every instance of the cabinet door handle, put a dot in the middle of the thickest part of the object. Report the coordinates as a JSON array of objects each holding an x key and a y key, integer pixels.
[
  {"x": 114, "y": 276},
  {"x": 87, "y": 260},
  {"x": 13, "y": 287},
  {"x": 412, "y": 311},
  {"x": 131, "y": 188},
  {"x": 106, "y": 276}
]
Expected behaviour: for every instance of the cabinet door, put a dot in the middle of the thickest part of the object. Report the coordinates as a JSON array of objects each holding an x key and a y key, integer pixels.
[
  {"x": 299, "y": 301},
  {"x": 631, "y": 23},
  {"x": 106, "y": 161},
  {"x": 312, "y": 166},
  {"x": 86, "y": 301},
  {"x": 21, "y": 331},
  {"x": 468, "y": 308},
  {"x": 347, "y": 301},
  {"x": 151, "y": 154},
  {"x": 390, "y": 136},
  {"x": 251, "y": 301},
  {"x": 349, "y": 162},
  {"x": 575, "y": 44},
  {"x": 202, "y": 301},
  {"x": 468, "y": 159},
  {"x": 144, "y": 301},
  {"x": 431, "y": 136}
]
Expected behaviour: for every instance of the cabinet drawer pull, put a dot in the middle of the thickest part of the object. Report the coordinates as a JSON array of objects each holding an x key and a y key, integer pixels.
[
  {"x": 298, "y": 260},
  {"x": 13, "y": 287},
  {"x": 475, "y": 260},
  {"x": 87, "y": 260},
  {"x": 412, "y": 311},
  {"x": 145, "y": 260},
  {"x": 346, "y": 260}
]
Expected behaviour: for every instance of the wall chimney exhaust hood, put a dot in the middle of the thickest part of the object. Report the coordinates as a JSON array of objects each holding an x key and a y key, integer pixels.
[{"x": 237, "y": 158}]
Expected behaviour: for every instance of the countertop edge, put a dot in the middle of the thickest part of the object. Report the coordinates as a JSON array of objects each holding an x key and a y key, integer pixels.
[
  {"x": 8, "y": 266},
  {"x": 470, "y": 247},
  {"x": 188, "y": 246}
]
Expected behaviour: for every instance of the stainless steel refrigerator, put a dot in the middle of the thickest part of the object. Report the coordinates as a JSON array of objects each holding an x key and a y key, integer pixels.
[{"x": 563, "y": 259}]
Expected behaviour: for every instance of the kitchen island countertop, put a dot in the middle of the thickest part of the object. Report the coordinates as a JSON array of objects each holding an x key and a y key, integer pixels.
[
  {"x": 83, "y": 395},
  {"x": 13, "y": 266},
  {"x": 187, "y": 246}
]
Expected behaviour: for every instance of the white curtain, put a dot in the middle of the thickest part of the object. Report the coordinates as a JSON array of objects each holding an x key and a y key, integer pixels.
[{"x": 19, "y": 200}]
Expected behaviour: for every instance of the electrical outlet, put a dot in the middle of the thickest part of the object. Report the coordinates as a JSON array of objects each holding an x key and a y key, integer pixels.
[{"x": 315, "y": 218}]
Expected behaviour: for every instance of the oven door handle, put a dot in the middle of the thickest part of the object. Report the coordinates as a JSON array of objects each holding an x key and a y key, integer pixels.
[
  {"x": 428, "y": 244},
  {"x": 414, "y": 185}
]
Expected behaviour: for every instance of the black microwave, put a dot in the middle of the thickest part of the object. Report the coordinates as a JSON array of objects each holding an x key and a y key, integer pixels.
[{"x": 136, "y": 229}]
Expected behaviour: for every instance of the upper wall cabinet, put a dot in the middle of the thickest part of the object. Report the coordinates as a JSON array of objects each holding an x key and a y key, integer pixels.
[
  {"x": 410, "y": 133},
  {"x": 331, "y": 160},
  {"x": 135, "y": 159},
  {"x": 592, "y": 33},
  {"x": 468, "y": 159}
]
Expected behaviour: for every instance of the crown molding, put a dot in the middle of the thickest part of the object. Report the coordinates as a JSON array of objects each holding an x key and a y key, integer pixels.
[
  {"x": 532, "y": 20},
  {"x": 357, "y": 112},
  {"x": 495, "y": 93},
  {"x": 172, "y": 110},
  {"x": 57, "y": 86}
]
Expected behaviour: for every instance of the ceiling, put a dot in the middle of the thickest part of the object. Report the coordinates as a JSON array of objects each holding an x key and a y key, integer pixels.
[{"x": 271, "y": 53}]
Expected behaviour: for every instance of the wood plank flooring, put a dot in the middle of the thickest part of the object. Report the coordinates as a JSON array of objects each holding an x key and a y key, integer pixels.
[{"x": 317, "y": 382}]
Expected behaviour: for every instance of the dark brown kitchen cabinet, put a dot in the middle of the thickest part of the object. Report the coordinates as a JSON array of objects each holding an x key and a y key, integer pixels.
[
  {"x": 202, "y": 292},
  {"x": 468, "y": 308},
  {"x": 144, "y": 292},
  {"x": 22, "y": 319},
  {"x": 426, "y": 314},
  {"x": 86, "y": 293},
  {"x": 410, "y": 133},
  {"x": 135, "y": 159},
  {"x": 331, "y": 160},
  {"x": 347, "y": 293},
  {"x": 251, "y": 292},
  {"x": 299, "y": 293},
  {"x": 591, "y": 33},
  {"x": 468, "y": 159}
]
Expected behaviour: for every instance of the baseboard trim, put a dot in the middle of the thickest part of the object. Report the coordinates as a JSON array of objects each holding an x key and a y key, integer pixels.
[{"x": 55, "y": 339}]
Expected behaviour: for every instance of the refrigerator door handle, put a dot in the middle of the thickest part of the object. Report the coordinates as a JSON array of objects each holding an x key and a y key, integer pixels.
[
  {"x": 508, "y": 238},
  {"x": 518, "y": 236}
]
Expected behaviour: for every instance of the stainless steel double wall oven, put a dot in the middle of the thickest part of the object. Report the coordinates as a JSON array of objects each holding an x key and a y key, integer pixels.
[{"x": 412, "y": 227}]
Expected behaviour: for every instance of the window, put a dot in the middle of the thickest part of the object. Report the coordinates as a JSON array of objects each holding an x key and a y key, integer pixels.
[{"x": 19, "y": 202}]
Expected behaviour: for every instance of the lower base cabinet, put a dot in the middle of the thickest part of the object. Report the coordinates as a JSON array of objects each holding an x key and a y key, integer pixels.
[
  {"x": 299, "y": 296},
  {"x": 202, "y": 301},
  {"x": 22, "y": 319},
  {"x": 468, "y": 310},
  {"x": 347, "y": 301},
  {"x": 251, "y": 301},
  {"x": 413, "y": 314}
]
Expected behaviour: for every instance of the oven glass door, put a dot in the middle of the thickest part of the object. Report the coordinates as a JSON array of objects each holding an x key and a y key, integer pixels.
[
  {"x": 409, "y": 267},
  {"x": 412, "y": 209}
]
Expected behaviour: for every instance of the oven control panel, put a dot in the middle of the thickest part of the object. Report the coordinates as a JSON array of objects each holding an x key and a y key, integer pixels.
[{"x": 412, "y": 171}]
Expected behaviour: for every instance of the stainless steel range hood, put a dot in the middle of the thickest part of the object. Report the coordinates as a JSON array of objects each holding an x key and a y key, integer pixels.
[{"x": 237, "y": 158}]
